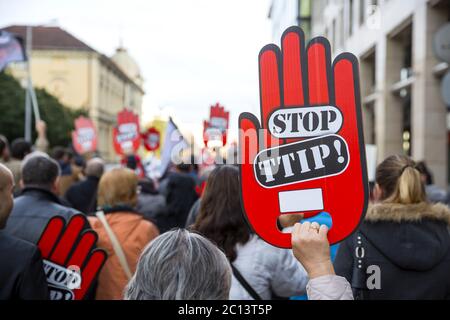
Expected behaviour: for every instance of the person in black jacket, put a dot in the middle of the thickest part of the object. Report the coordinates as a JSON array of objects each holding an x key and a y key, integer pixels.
[
  {"x": 38, "y": 201},
  {"x": 150, "y": 203},
  {"x": 402, "y": 249},
  {"x": 21, "y": 271},
  {"x": 83, "y": 195},
  {"x": 179, "y": 191}
]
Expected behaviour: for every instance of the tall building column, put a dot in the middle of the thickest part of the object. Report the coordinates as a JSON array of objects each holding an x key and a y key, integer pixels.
[
  {"x": 388, "y": 110},
  {"x": 429, "y": 112}
]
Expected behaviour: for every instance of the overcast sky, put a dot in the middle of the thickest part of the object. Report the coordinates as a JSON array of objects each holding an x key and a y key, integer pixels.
[{"x": 192, "y": 53}]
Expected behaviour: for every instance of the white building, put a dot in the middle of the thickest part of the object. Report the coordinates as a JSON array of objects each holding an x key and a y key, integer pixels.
[
  {"x": 403, "y": 107},
  {"x": 286, "y": 13}
]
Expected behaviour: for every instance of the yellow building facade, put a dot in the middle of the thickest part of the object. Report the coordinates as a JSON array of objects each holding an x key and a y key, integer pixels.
[{"x": 83, "y": 78}]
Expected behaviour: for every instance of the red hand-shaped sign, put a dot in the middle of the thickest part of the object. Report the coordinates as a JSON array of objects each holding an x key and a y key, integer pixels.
[
  {"x": 70, "y": 261},
  {"x": 216, "y": 127},
  {"x": 309, "y": 156},
  {"x": 84, "y": 138},
  {"x": 126, "y": 136},
  {"x": 151, "y": 139}
]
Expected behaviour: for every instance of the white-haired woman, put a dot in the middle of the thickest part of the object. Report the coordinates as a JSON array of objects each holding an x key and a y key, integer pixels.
[{"x": 180, "y": 265}]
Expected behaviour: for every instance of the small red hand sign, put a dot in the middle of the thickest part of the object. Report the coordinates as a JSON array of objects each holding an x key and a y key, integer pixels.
[
  {"x": 215, "y": 128},
  {"x": 84, "y": 138},
  {"x": 71, "y": 263},
  {"x": 151, "y": 139},
  {"x": 126, "y": 136},
  {"x": 307, "y": 154}
]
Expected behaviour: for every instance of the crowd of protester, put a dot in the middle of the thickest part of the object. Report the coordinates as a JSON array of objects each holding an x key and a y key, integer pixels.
[{"x": 186, "y": 237}]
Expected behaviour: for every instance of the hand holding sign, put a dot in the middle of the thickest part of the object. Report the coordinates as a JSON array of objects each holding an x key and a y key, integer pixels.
[
  {"x": 303, "y": 96},
  {"x": 71, "y": 264}
]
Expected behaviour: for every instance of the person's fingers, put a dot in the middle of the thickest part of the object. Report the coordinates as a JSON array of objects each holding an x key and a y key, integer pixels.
[
  {"x": 315, "y": 226},
  {"x": 297, "y": 228},
  {"x": 323, "y": 231},
  {"x": 304, "y": 230},
  {"x": 295, "y": 234}
]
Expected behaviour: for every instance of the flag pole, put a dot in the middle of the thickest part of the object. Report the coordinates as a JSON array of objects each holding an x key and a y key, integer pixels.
[
  {"x": 28, "y": 115},
  {"x": 28, "y": 111},
  {"x": 37, "y": 114},
  {"x": 30, "y": 87}
]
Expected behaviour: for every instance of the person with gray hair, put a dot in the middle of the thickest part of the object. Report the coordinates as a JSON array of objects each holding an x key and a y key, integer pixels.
[
  {"x": 39, "y": 199},
  {"x": 180, "y": 265},
  {"x": 83, "y": 194}
]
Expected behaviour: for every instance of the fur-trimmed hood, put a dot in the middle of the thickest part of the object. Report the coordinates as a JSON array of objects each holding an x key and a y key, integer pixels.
[
  {"x": 394, "y": 212},
  {"x": 413, "y": 237}
]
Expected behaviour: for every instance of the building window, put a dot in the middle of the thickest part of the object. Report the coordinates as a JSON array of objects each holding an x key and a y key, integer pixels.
[
  {"x": 362, "y": 11},
  {"x": 406, "y": 123},
  {"x": 368, "y": 90},
  {"x": 304, "y": 17},
  {"x": 350, "y": 18},
  {"x": 370, "y": 123},
  {"x": 368, "y": 66},
  {"x": 405, "y": 94},
  {"x": 401, "y": 70},
  {"x": 333, "y": 35},
  {"x": 341, "y": 29}
]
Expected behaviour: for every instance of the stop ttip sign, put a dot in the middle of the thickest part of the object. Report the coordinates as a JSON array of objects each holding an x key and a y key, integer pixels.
[{"x": 306, "y": 153}]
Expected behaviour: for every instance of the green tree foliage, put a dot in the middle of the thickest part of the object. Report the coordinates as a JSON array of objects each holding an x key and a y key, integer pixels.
[{"x": 59, "y": 119}]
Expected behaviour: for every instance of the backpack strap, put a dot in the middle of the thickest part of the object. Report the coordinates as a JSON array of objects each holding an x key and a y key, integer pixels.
[
  {"x": 359, "y": 276},
  {"x": 245, "y": 284},
  {"x": 116, "y": 244}
]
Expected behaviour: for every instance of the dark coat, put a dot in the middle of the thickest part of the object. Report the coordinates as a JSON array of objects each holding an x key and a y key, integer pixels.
[
  {"x": 179, "y": 190},
  {"x": 411, "y": 246},
  {"x": 21, "y": 271},
  {"x": 83, "y": 195},
  {"x": 151, "y": 205},
  {"x": 32, "y": 211}
]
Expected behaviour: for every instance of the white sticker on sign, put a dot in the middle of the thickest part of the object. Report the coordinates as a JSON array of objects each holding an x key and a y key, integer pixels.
[{"x": 300, "y": 200}]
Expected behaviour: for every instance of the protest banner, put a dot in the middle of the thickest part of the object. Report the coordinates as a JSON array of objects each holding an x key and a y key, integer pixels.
[
  {"x": 126, "y": 136},
  {"x": 215, "y": 128},
  {"x": 84, "y": 137},
  {"x": 151, "y": 139},
  {"x": 306, "y": 154}
]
